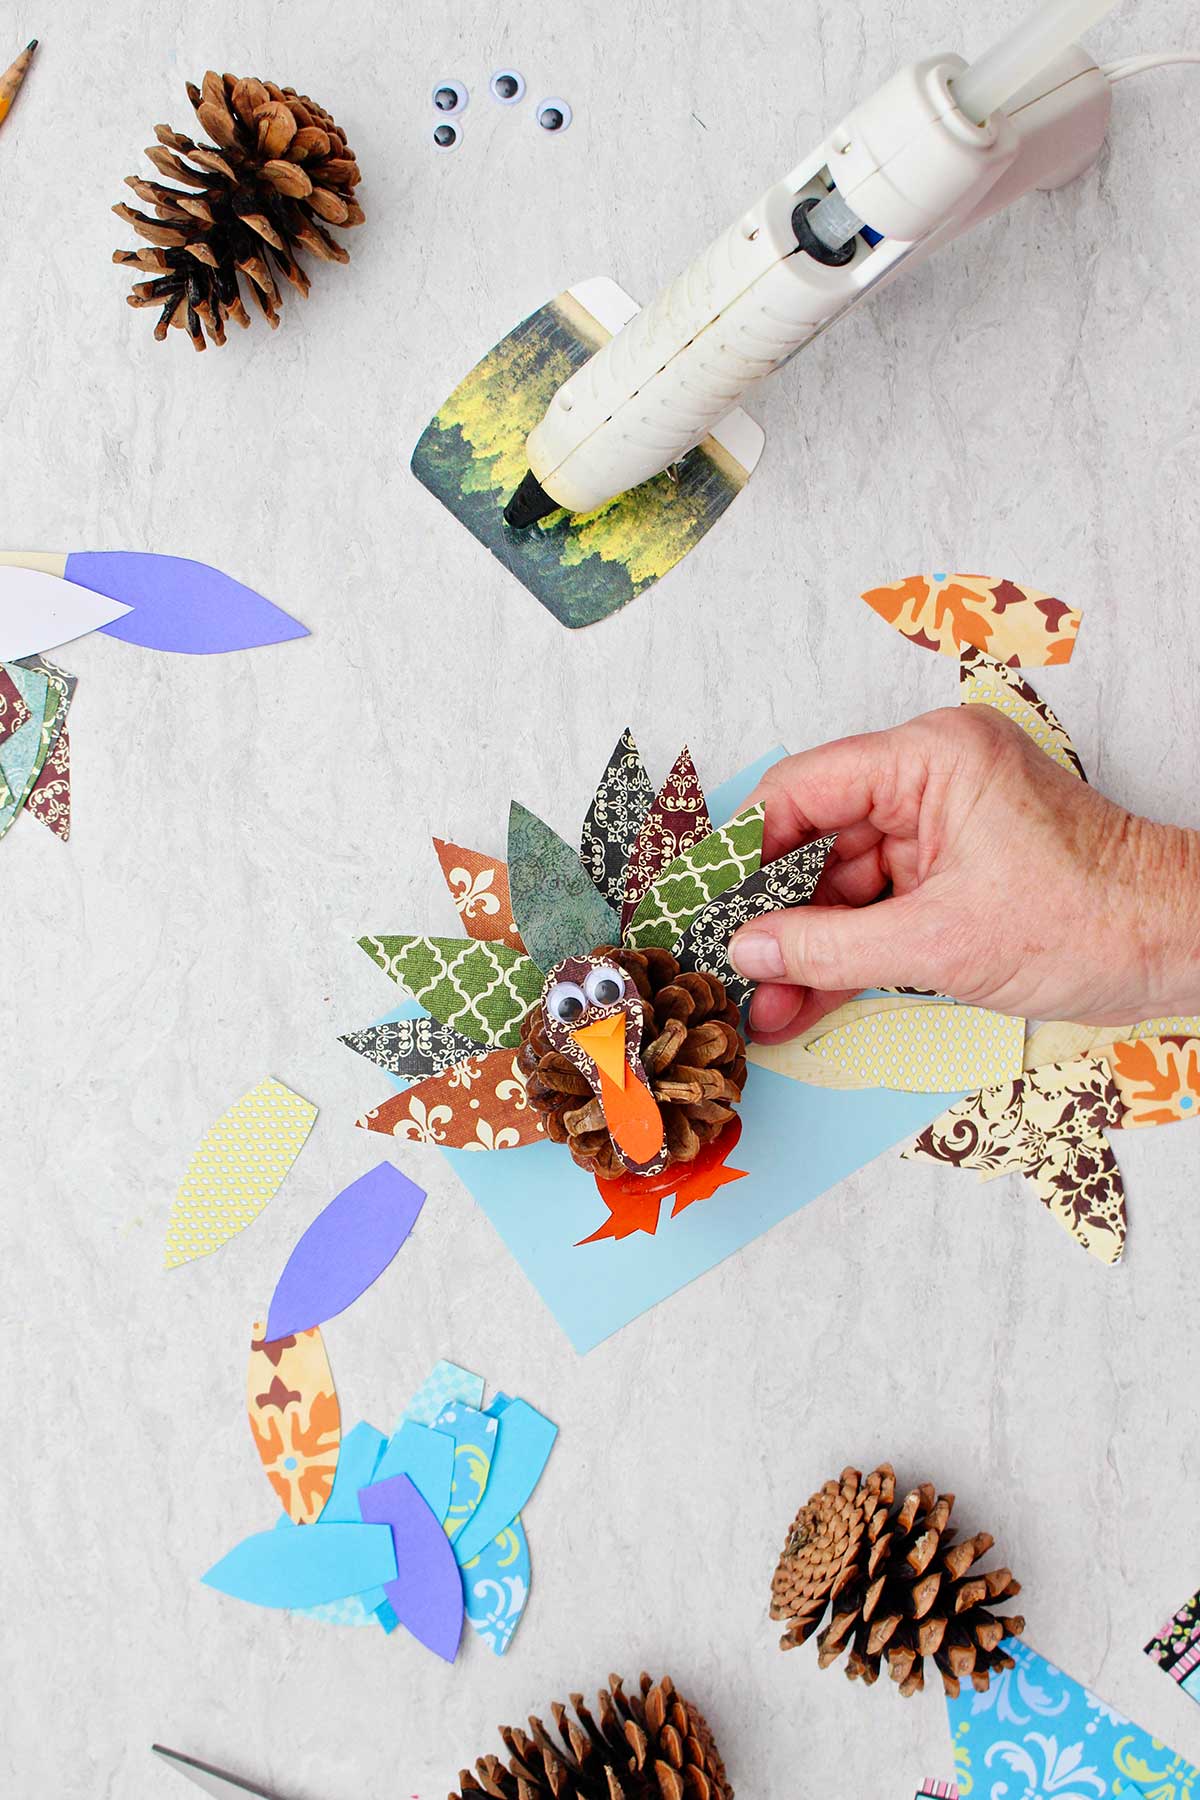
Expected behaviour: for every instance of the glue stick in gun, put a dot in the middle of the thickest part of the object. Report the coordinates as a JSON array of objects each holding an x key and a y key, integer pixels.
[{"x": 938, "y": 148}]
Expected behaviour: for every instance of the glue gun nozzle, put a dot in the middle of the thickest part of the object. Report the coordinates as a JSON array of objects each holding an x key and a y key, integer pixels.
[{"x": 530, "y": 503}]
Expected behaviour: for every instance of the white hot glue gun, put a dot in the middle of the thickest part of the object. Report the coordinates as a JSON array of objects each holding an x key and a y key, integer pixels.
[{"x": 938, "y": 148}]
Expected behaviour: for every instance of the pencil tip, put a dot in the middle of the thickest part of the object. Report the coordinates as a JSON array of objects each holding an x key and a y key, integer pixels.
[{"x": 32, "y": 44}]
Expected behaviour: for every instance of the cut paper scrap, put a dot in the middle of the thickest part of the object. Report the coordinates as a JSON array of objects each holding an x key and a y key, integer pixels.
[
  {"x": 479, "y": 1104},
  {"x": 345, "y": 1249},
  {"x": 237, "y": 1169},
  {"x": 1038, "y": 1735},
  {"x": 50, "y": 796},
  {"x": 525, "y": 1440},
  {"x": 479, "y": 888},
  {"x": 496, "y": 1581},
  {"x": 496, "y": 1587},
  {"x": 446, "y": 1382},
  {"x": 473, "y": 1435},
  {"x": 37, "y": 613},
  {"x": 704, "y": 872},
  {"x": 1158, "y": 1079},
  {"x": 616, "y": 815},
  {"x": 543, "y": 1205},
  {"x": 558, "y": 908},
  {"x": 13, "y": 711},
  {"x": 1050, "y": 1124},
  {"x": 985, "y": 682},
  {"x": 927, "y": 1048},
  {"x": 953, "y": 613},
  {"x": 34, "y": 764},
  {"x": 1059, "y": 1041},
  {"x": 425, "y": 1592},
  {"x": 789, "y": 881},
  {"x": 362, "y": 1447},
  {"x": 426, "y": 1456},
  {"x": 677, "y": 819},
  {"x": 446, "y": 1456},
  {"x": 24, "y": 751},
  {"x": 481, "y": 990},
  {"x": 937, "y": 1790},
  {"x": 294, "y": 1418},
  {"x": 472, "y": 455},
  {"x": 160, "y": 602},
  {"x": 1176, "y": 1647},
  {"x": 412, "y": 1047},
  {"x": 307, "y": 1567},
  {"x": 59, "y": 695}
]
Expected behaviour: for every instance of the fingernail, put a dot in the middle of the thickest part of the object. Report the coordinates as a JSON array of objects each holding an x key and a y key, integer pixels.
[{"x": 757, "y": 956}]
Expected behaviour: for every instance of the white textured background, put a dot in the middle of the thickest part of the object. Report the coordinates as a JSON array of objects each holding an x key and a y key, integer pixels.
[{"x": 1025, "y": 406}]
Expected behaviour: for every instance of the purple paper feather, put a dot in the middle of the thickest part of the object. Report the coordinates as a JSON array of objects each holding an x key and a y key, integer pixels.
[
  {"x": 427, "y": 1595},
  {"x": 179, "y": 604},
  {"x": 345, "y": 1249}
]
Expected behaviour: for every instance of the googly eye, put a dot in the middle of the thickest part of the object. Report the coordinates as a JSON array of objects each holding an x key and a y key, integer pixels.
[
  {"x": 507, "y": 86},
  {"x": 554, "y": 115},
  {"x": 604, "y": 986},
  {"x": 449, "y": 98},
  {"x": 565, "y": 1002},
  {"x": 446, "y": 136}
]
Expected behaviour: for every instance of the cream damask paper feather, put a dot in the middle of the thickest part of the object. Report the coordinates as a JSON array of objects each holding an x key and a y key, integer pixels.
[{"x": 1049, "y": 1124}]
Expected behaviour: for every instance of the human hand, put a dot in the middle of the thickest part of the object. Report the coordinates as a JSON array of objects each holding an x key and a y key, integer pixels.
[{"x": 969, "y": 863}]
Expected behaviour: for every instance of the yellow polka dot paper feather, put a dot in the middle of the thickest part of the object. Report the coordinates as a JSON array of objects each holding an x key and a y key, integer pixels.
[
  {"x": 927, "y": 1049},
  {"x": 238, "y": 1167}
]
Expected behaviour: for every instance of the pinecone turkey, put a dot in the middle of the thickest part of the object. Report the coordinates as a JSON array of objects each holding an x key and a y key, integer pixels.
[
  {"x": 652, "y": 1745},
  {"x": 692, "y": 1050},
  {"x": 631, "y": 1053},
  {"x": 278, "y": 170},
  {"x": 896, "y": 1582}
]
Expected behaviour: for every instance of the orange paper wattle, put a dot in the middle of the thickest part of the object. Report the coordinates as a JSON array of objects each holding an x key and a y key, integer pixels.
[{"x": 632, "y": 1116}]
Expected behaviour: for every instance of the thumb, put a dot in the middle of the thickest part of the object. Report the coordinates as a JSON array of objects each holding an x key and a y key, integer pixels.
[{"x": 886, "y": 944}]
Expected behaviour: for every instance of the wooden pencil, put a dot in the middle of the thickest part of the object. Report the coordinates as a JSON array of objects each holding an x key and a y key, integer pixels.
[{"x": 11, "y": 80}]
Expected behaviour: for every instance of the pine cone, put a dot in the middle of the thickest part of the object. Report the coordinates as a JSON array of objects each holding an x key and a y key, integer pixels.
[
  {"x": 652, "y": 1746},
  {"x": 896, "y": 1583},
  {"x": 277, "y": 167},
  {"x": 692, "y": 1049}
]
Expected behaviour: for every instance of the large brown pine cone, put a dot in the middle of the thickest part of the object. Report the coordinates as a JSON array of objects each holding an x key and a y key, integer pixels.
[
  {"x": 895, "y": 1582},
  {"x": 692, "y": 1049},
  {"x": 277, "y": 167},
  {"x": 648, "y": 1746}
]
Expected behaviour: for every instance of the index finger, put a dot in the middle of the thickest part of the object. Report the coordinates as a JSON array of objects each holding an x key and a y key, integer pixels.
[{"x": 853, "y": 781}]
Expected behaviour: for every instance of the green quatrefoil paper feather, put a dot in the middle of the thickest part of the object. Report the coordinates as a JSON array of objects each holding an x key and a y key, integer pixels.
[
  {"x": 699, "y": 876},
  {"x": 558, "y": 908},
  {"x": 483, "y": 990}
]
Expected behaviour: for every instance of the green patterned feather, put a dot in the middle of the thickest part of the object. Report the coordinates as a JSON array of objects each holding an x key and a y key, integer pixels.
[
  {"x": 483, "y": 990},
  {"x": 558, "y": 908},
  {"x": 696, "y": 878}
]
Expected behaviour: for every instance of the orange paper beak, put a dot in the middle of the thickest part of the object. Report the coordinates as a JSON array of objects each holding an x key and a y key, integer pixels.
[
  {"x": 630, "y": 1109},
  {"x": 604, "y": 1042}
]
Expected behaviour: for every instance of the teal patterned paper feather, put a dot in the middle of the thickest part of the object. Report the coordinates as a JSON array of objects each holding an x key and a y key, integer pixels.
[{"x": 558, "y": 908}]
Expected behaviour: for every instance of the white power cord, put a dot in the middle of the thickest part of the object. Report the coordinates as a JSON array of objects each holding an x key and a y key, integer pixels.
[{"x": 1139, "y": 65}]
